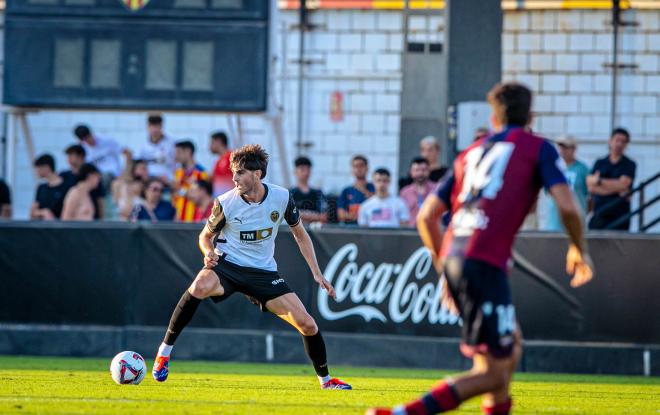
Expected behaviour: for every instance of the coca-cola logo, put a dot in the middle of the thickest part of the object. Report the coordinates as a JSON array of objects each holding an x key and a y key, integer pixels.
[{"x": 398, "y": 288}]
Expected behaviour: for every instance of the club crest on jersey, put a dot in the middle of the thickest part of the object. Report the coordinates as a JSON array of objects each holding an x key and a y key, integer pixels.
[
  {"x": 274, "y": 215},
  {"x": 134, "y": 5},
  {"x": 256, "y": 236}
]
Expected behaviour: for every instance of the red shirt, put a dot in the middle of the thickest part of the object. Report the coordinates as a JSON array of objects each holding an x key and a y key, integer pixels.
[
  {"x": 202, "y": 215},
  {"x": 222, "y": 175}
]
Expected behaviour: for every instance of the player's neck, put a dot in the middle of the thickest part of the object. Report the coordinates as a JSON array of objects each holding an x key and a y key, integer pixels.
[
  {"x": 256, "y": 195},
  {"x": 53, "y": 179},
  {"x": 614, "y": 157},
  {"x": 303, "y": 186},
  {"x": 189, "y": 164},
  {"x": 383, "y": 195}
]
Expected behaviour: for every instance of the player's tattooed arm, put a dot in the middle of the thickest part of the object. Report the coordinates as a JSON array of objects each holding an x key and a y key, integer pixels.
[{"x": 213, "y": 226}]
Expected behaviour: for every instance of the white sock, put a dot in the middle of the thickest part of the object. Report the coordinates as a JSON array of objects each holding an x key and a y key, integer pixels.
[
  {"x": 324, "y": 379},
  {"x": 165, "y": 350}
]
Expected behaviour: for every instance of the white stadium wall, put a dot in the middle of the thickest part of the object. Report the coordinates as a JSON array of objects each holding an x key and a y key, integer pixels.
[{"x": 358, "y": 53}]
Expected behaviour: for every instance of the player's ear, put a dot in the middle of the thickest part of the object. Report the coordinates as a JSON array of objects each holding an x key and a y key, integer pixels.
[{"x": 494, "y": 122}]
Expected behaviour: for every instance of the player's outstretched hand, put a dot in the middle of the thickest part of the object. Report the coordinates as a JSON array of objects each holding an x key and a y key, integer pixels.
[
  {"x": 579, "y": 265},
  {"x": 211, "y": 260},
  {"x": 325, "y": 284}
]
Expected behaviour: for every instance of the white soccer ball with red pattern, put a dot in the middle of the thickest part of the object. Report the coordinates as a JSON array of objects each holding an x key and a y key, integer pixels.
[{"x": 128, "y": 368}]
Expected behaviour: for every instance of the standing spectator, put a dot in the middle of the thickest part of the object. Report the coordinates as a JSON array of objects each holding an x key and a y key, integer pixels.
[
  {"x": 222, "y": 175},
  {"x": 49, "y": 199},
  {"x": 158, "y": 152},
  {"x": 5, "y": 200},
  {"x": 104, "y": 153},
  {"x": 310, "y": 202},
  {"x": 201, "y": 193},
  {"x": 382, "y": 210},
  {"x": 415, "y": 193},
  {"x": 152, "y": 206},
  {"x": 186, "y": 174},
  {"x": 75, "y": 156},
  {"x": 79, "y": 202},
  {"x": 576, "y": 174},
  {"x": 611, "y": 177},
  {"x": 126, "y": 190},
  {"x": 351, "y": 197},
  {"x": 429, "y": 148}
]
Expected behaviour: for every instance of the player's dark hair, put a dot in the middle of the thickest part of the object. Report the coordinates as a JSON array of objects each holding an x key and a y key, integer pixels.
[
  {"x": 82, "y": 131},
  {"x": 186, "y": 145},
  {"x": 360, "y": 158},
  {"x": 511, "y": 103},
  {"x": 220, "y": 135},
  {"x": 622, "y": 131},
  {"x": 206, "y": 186},
  {"x": 302, "y": 161},
  {"x": 250, "y": 157},
  {"x": 76, "y": 149},
  {"x": 382, "y": 171},
  {"x": 87, "y": 170},
  {"x": 419, "y": 160},
  {"x": 155, "y": 119},
  {"x": 45, "y": 160}
]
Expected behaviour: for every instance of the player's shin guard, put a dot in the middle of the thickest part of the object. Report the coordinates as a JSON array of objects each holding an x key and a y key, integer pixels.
[
  {"x": 503, "y": 408},
  {"x": 443, "y": 398},
  {"x": 315, "y": 349},
  {"x": 181, "y": 316}
]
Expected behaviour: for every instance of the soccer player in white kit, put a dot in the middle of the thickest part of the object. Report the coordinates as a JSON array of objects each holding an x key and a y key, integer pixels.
[{"x": 245, "y": 221}]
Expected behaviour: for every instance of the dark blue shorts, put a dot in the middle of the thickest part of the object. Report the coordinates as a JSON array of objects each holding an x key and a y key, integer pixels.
[{"x": 482, "y": 294}]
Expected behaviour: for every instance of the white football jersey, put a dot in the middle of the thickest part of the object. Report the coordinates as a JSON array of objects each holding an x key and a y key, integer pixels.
[{"x": 248, "y": 230}]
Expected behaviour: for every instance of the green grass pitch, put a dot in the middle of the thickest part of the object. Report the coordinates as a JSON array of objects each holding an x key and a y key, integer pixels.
[{"x": 42, "y": 385}]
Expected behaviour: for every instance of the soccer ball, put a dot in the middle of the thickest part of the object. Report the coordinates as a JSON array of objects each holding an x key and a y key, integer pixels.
[{"x": 128, "y": 368}]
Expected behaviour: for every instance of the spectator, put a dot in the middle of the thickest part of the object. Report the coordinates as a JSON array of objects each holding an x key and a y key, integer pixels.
[
  {"x": 126, "y": 190},
  {"x": 351, "y": 197},
  {"x": 158, "y": 152},
  {"x": 185, "y": 175},
  {"x": 415, "y": 193},
  {"x": 201, "y": 193},
  {"x": 79, "y": 202},
  {"x": 576, "y": 174},
  {"x": 383, "y": 210},
  {"x": 152, "y": 207},
  {"x": 49, "y": 199},
  {"x": 75, "y": 155},
  {"x": 611, "y": 177},
  {"x": 5, "y": 200},
  {"x": 429, "y": 148},
  {"x": 104, "y": 153},
  {"x": 222, "y": 175},
  {"x": 310, "y": 202}
]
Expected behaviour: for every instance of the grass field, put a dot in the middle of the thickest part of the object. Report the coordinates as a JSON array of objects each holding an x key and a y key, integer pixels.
[{"x": 37, "y": 385}]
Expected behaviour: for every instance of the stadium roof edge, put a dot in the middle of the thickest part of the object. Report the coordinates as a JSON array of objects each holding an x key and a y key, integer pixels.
[{"x": 440, "y": 4}]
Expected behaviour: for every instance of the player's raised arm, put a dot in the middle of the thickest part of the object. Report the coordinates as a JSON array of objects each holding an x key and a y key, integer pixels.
[{"x": 213, "y": 226}]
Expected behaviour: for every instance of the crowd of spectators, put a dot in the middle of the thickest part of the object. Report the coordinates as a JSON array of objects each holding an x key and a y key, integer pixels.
[{"x": 162, "y": 181}]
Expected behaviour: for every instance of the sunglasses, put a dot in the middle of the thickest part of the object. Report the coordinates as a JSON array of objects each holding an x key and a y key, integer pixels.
[{"x": 156, "y": 189}]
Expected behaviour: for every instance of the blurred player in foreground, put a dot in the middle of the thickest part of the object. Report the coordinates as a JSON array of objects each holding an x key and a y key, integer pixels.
[
  {"x": 494, "y": 184},
  {"x": 246, "y": 220}
]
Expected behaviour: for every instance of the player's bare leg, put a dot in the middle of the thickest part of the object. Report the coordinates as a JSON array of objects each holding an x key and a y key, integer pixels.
[
  {"x": 499, "y": 398},
  {"x": 289, "y": 308},
  {"x": 205, "y": 285}
]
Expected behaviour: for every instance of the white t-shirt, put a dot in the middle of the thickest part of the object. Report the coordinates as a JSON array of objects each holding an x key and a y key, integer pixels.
[
  {"x": 250, "y": 229},
  {"x": 159, "y": 157},
  {"x": 383, "y": 213},
  {"x": 105, "y": 155}
]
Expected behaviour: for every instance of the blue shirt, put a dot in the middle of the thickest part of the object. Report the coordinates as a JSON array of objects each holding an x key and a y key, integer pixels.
[
  {"x": 351, "y": 198},
  {"x": 164, "y": 212},
  {"x": 576, "y": 175}
]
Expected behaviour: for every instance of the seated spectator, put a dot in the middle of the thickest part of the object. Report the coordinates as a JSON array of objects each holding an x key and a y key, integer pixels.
[
  {"x": 429, "y": 148},
  {"x": 152, "y": 207},
  {"x": 310, "y": 202},
  {"x": 610, "y": 179},
  {"x": 382, "y": 210},
  {"x": 351, "y": 197},
  {"x": 104, "y": 153},
  {"x": 127, "y": 189},
  {"x": 576, "y": 175},
  {"x": 75, "y": 156},
  {"x": 415, "y": 193},
  {"x": 49, "y": 199},
  {"x": 79, "y": 202},
  {"x": 5, "y": 200},
  {"x": 185, "y": 175},
  {"x": 201, "y": 193},
  {"x": 223, "y": 178}
]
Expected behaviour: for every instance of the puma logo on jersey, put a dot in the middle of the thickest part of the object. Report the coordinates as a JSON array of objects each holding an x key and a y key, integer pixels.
[
  {"x": 256, "y": 236},
  {"x": 275, "y": 282}
]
